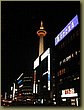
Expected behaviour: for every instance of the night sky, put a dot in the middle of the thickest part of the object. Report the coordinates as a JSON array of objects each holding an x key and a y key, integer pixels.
[{"x": 19, "y": 42}]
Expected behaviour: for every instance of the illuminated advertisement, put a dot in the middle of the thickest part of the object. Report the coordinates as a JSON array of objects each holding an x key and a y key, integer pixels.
[
  {"x": 70, "y": 26},
  {"x": 19, "y": 81},
  {"x": 34, "y": 88},
  {"x": 69, "y": 93},
  {"x": 45, "y": 55},
  {"x": 36, "y": 63}
]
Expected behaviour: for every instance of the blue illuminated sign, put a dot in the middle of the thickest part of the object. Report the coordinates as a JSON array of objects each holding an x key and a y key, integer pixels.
[
  {"x": 19, "y": 81},
  {"x": 71, "y": 25},
  {"x": 48, "y": 77}
]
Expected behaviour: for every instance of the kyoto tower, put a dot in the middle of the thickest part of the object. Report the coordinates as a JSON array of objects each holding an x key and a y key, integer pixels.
[{"x": 41, "y": 33}]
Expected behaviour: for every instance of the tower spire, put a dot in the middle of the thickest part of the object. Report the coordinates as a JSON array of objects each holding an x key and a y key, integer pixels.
[{"x": 41, "y": 27}]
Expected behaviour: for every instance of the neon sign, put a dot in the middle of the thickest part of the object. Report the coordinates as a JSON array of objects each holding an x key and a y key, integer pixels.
[
  {"x": 70, "y": 26},
  {"x": 69, "y": 93}
]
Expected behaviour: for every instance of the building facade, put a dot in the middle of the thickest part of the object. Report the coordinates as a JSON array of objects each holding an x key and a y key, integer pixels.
[{"x": 67, "y": 68}]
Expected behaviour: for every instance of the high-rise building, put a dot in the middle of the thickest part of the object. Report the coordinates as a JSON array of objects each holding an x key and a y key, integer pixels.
[
  {"x": 25, "y": 89},
  {"x": 67, "y": 64}
]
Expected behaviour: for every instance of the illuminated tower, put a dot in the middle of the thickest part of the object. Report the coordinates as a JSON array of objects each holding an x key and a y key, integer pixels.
[{"x": 41, "y": 33}]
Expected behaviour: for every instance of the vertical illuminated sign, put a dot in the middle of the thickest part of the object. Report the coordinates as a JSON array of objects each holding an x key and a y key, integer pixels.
[
  {"x": 70, "y": 26},
  {"x": 34, "y": 85},
  {"x": 36, "y": 63},
  {"x": 13, "y": 90},
  {"x": 47, "y": 54}
]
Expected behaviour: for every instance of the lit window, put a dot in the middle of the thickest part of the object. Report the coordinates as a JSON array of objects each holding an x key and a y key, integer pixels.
[
  {"x": 72, "y": 55},
  {"x": 74, "y": 78},
  {"x": 77, "y": 77},
  {"x": 53, "y": 76},
  {"x": 64, "y": 60},
  {"x": 53, "y": 85},
  {"x": 72, "y": 100},
  {"x": 76, "y": 52},
  {"x": 54, "y": 95},
  {"x": 53, "y": 98},
  {"x": 55, "y": 103},
  {"x": 63, "y": 99},
  {"x": 72, "y": 103},
  {"x": 38, "y": 80},
  {"x": 44, "y": 86},
  {"x": 60, "y": 63}
]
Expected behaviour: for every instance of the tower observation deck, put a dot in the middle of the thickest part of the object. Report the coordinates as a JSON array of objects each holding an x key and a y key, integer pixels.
[{"x": 41, "y": 33}]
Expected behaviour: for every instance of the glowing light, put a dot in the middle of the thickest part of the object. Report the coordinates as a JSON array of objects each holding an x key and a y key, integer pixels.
[
  {"x": 10, "y": 101},
  {"x": 53, "y": 76},
  {"x": 36, "y": 63},
  {"x": 21, "y": 86},
  {"x": 38, "y": 99},
  {"x": 11, "y": 88},
  {"x": 77, "y": 77},
  {"x": 28, "y": 99},
  {"x": 38, "y": 80},
  {"x": 54, "y": 103},
  {"x": 72, "y": 55},
  {"x": 19, "y": 81},
  {"x": 63, "y": 99},
  {"x": 72, "y": 100},
  {"x": 41, "y": 27},
  {"x": 20, "y": 76},
  {"x": 76, "y": 52},
  {"x": 44, "y": 86},
  {"x": 48, "y": 85},
  {"x": 15, "y": 89},
  {"x": 74, "y": 78},
  {"x": 70, "y": 26},
  {"x": 41, "y": 32},
  {"x": 54, "y": 95},
  {"x": 20, "y": 94},
  {"x": 77, "y": 101},
  {"x": 42, "y": 101},
  {"x": 69, "y": 95},
  {"x": 53, "y": 98},
  {"x": 5, "y": 95},
  {"x": 45, "y": 54},
  {"x": 33, "y": 88},
  {"x": 36, "y": 88},
  {"x": 45, "y": 73}
]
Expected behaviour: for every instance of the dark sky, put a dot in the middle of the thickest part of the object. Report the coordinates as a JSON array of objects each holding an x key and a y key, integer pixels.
[{"x": 19, "y": 42}]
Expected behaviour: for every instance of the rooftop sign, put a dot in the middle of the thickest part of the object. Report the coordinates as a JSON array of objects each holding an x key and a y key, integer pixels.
[{"x": 70, "y": 26}]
